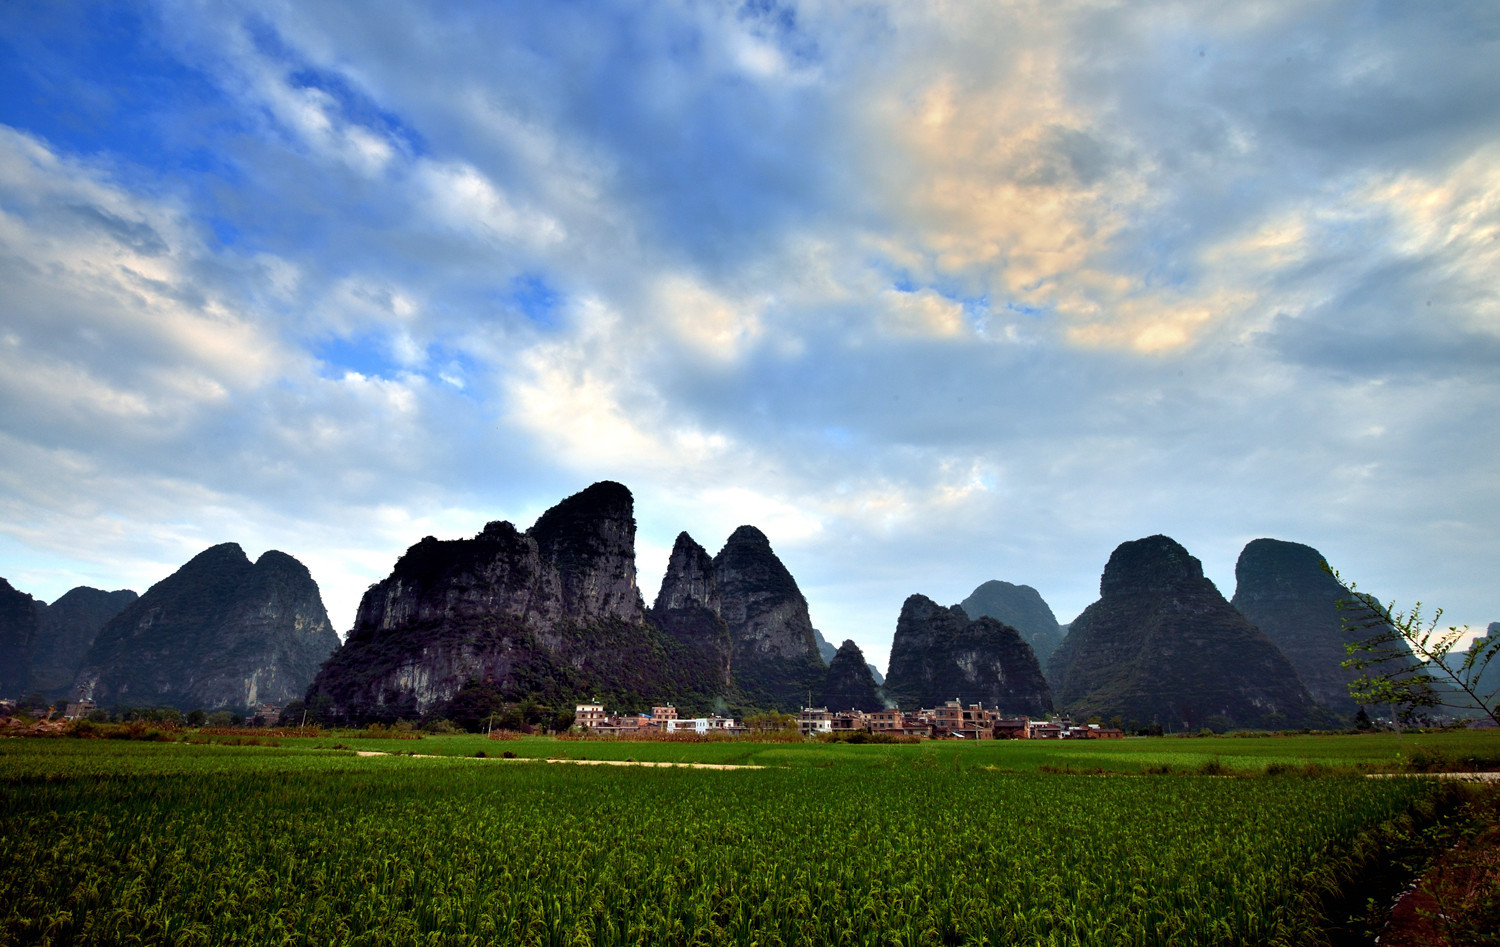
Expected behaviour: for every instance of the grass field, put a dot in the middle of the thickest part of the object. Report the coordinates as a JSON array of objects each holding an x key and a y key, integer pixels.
[
  {"x": 1375, "y": 752},
  {"x": 113, "y": 841}
]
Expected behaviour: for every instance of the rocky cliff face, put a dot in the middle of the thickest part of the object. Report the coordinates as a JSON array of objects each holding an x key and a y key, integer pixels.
[
  {"x": 687, "y": 608},
  {"x": 553, "y": 614},
  {"x": 941, "y": 654},
  {"x": 1162, "y": 645},
  {"x": 576, "y": 564},
  {"x": 774, "y": 655},
  {"x": 18, "y": 621},
  {"x": 1022, "y": 608},
  {"x": 589, "y": 539},
  {"x": 1285, "y": 591},
  {"x": 849, "y": 684},
  {"x": 219, "y": 632},
  {"x": 66, "y": 630}
]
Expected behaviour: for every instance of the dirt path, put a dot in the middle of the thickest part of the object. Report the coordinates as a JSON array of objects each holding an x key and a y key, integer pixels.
[
  {"x": 533, "y": 759},
  {"x": 1467, "y": 777},
  {"x": 645, "y": 763}
]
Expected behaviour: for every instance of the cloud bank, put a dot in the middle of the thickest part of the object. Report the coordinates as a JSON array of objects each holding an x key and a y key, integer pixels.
[{"x": 932, "y": 295}]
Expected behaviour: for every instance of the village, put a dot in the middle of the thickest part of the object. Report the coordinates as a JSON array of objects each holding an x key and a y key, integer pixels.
[{"x": 950, "y": 721}]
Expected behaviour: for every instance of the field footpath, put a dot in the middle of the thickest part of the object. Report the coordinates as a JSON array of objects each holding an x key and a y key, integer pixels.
[
  {"x": 562, "y": 759},
  {"x": 1493, "y": 777}
]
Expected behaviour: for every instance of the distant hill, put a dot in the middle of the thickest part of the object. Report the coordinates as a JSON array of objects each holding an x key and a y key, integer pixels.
[
  {"x": 66, "y": 630},
  {"x": 941, "y": 654},
  {"x": 1022, "y": 608},
  {"x": 1487, "y": 682},
  {"x": 849, "y": 684},
  {"x": 42, "y": 646},
  {"x": 1161, "y": 645},
  {"x": 220, "y": 632},
  {"x": 826, "y": 650},
  {"x": 18, "y": 621},
  {"x": 1287, "y": 592}
]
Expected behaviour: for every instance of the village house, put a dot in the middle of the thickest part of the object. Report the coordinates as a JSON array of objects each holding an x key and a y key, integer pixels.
[
  {"x": 78, "y": 709},
  {"x": 851, "y": 721},
  {"x": 1093, "y": 731},
  {"x": 951, "y": 720},
  {"x": 813, "y": 720},
  {"x": 955, "y": 720},
  {"x": 701, "y": 724},
  {"x": 590, "y": 716},
  {"x": 625, "y": 724},
  {"x": 1010, "y": 728},
  {"x": 897, "y": 724},
  {"x": 593, "y": 716}
]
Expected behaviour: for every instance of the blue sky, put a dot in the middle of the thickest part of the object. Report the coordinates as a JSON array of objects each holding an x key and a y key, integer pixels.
[{"x": 932, "y": 294}]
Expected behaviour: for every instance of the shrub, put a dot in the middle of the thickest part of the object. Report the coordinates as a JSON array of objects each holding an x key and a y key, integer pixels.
[{"x": 1213, "y": 767}]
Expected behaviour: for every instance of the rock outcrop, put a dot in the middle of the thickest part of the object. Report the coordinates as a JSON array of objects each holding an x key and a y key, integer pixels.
[
  {"x": 1022, "y": 608},
  {"x": 554, "y": 615},
  {"x": 1286, "y": 591},
  {"x": 18, "y": 621},
  {"x": 66, "y": 630},
  {"x": 941, "y": 654},
  {"x": 849, "y": 684},
  {"x": 219, "y": 632},
  {"x": 551, "y": 614},
  {"x": 576, "y": 564},
  {"x": 1161, "y": 645},
  {"x": 774, "y": 654}
]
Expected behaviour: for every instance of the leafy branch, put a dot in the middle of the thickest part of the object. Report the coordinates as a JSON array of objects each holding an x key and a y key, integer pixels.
[{"x": 1400, "y": 651}]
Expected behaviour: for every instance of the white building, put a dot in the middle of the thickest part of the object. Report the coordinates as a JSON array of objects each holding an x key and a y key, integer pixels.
[
  {"x": 699, "y": 724},
  {"x": 589, "y": 715}
]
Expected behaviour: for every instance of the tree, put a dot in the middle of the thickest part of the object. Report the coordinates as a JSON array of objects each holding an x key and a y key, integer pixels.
[
  {"x": 474, "y": 703},
  {"x": 1391, "y": 639},
  {"x": 772, "y": 722}
]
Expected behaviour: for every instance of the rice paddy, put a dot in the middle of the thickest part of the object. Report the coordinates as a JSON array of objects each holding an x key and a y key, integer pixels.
[{"x": 999, "y": 843}]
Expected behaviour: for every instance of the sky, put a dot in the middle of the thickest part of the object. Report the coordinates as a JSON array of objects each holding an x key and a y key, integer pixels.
[{"x": 932, "y": 293}]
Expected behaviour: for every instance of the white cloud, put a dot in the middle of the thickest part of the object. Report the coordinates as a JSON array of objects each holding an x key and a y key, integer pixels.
[
  {"x": 458, "y": 195},
  {"x": 1215, "y": 230},
  {"x": 106, "y": 313}
]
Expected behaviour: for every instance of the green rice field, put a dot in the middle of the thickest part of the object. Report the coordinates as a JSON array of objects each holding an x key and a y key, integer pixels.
[{"x": 1176, "y": 841}]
